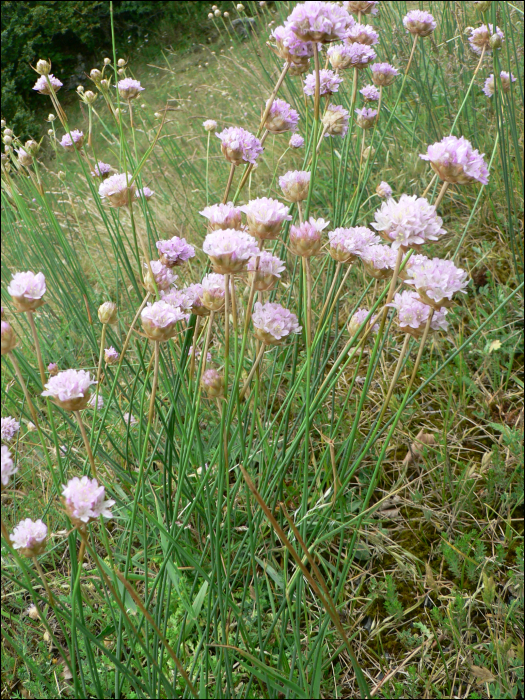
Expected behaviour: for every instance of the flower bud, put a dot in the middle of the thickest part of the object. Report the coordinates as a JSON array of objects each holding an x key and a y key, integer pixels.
[
  {"x": 95, "y": 75},
  {"x": 107, "y": 61},
  {"x": 226, "y": 14},
  {"x": 121, "y": 62},
  {"x": 8, "y": 139},
  {"x": 8, "y": 132},
  {"x": 50, "y": 132},
  {"x": 495, "y": 41},
  {"x": 111, "y": 356},
  {"x": 24, "y": 158},
  {"x": 104, "y": 84},
  {"x": 52, "y": 368},
  {"x": 369, "y": 151},
  {"x": 299, "y": 66},
  {"x": 89, "y": 97},
  {"x": 121, "y": 71},
  {"x": 107, "y": 313},
  {"x": 2, "y": 123},
  {"x": 482, "y": 5},
  {"x": 8, "y": 338},
  {"x": 366, "y": 118},
  {"x": 80, "y": 89},
  {"x": 240, "y": 7},
  {"x": 43, "y": 67},
  {"x": 61, "y": 175},
  {"x": 32, "y": 147},
  {"x": 212, "y": 383},
  {"x": 217, "y": 13},
  {"x": 51, "y": 117},
  {"x": 210, "y": 15}
]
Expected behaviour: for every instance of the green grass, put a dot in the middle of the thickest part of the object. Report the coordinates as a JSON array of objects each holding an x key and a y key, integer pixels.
[{"x": 422, "y": 557}]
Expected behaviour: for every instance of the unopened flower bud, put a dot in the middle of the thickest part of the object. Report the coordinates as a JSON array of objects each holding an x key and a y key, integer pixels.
[
  {"x": 495, "y": 41},
  {"x": 8, "y": 338},
  {"x": 8, "y": 139},
  {"x": 217, "y": 13},
  {"x": 50, "y": 132},
  {"x": 7, "y": 149},
  {"x": 121, "y": 71},
  {"x": 2, "y": 123},
  {"x": 240, "y": 7},
  {"x": 61, "y": 175},
  {"x": 482, "y": 5},
  {"x": 95, "y": 75},
  {"x": 107, "y": 61},
  {"x": 212, "y": 383},
  {"x": 107, "y": 312},
  {"x": 226, "y": 14},
  {"x": 366, "y": 118},
  {"x": 89, "y": 97},
  {"x": 368, "y": 152},
  {"x": 121, "y": 62},
  {"x": 104, "y": 84},
  {"x": 24, "y": 158},
  {"x": 32, "y": 147},
  {"x": 8, "y": 132},
  {"x": 51, "y": 117},
  {"x": 111, "y": 356},
  {"x": 52, "y": 368},
  {"x": 43, "y": 67},
  {"x": 299, "y": 66},
  {"x": 80, "y": 89},
  {"x": 210, "y": 15}
]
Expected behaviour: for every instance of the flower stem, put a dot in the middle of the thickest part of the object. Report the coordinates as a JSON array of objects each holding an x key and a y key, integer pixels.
[
  {"x": 194, "y": 346},
  {"x": 207, "y": 169},
  {"x": 155, "y": 382},
  {"x": 128, "y": 337},
  {"x": 253, "y": 369},
  {"x": 444, "y": 188},
  {"x": 468, "y": 91},
  {"x": 330, "y": 292},
  {"x": 395, "y": 377},
  {"x": 226, "y": 332},
  {"x": 208, "y": 339},
  {"x": 416, "y": 36},
  {"x": 32, "y": 409},
  {"x": 44, "y": 581},
  {"x": 37, "y": 347},
  {"x": 86, "y": 443},
  {"x": 101, "y": 354},
  {"x": 308, "y": 280},
  {"x": 269, "y": 103},
  {"x": 229, "y": 184}
]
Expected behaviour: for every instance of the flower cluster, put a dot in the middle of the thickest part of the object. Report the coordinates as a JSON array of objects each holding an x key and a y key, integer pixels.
[
  {"x": 273, "y": 323},
  {"x": 8, "y": 466},
  {"x": 157, "y": 274},
  {"x": 96, "y": 400},
  {"x": 289, "y": 47},
  {"x": 357, "y": 320},
  {"x": 384, "y": 190},
  {"x": 480, "y": 38},
  {"x": 505, "y": 80},
  {"x": 8, "y": 338},
  {"x": 222, "y": 216},
  {"x": 9, "y": 429},
  {"x": 366, "y": 117},
  {"x": 347, "y": 243},
  {"x": 229, "y": 250},
  {"x": 383, "y": 74},
  {"x": 85, "y": 500},
  {"x": 412, "y": 314},
  {"x": 362, "y": 34},
  {"x": 411, "y": 221},
  {"x": 335, "y": 120},
  {"x": 295, "y": 184},
  {"x": 265, "y": 270},
  {"x": 328, "y": 80},
  {"x": 379, "y": 260},
  {"x": 419, "y": 22},
  {"x": 70, "y": 389},
  {"x": 281, "y": 117},
  {"x": 29, "y": 537},
  {"x": 129, "y": 88},
  {"x": 454, "y": 160},
  {"x": 118, "y": 189},
  {"x": 111, "y": 356},
  {"x": 213, "y": 383},
  {"x": 178, "y": 298},
  {"x": 239, "y": 146},
  {"x": 265, "y": 217},
  {"x": 437, "y": 281},
  {"x": 213, "y": 291},
  {"x": 318, "y": 21},
  {"x": 101, "y": 170},
  {"x": 296, "y": 141},
  {"x": 209, "y": 125},
  {"x": 175, "y": 251},
  {"x": 305, "y": 239},
  {"x": 27, "y": 290},
  {"x": 72, "y": 141},
  {"x": 42, "y": 84},
  {"x": 194, "y": 294},
  {"x": 361, "y": 6},
  {"x": 370, "y": 93},
  {"x": 159, "y": 320}
]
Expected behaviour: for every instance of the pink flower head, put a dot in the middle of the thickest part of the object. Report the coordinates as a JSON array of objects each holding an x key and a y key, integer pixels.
[
  {"x": 370, "y": 93},
  {"x": 343, "y": 56},
  {"x": 175, "y": 251},
  {"x": 42, "y": 85},
  {"x": 358, "y": 319},
  {"x": 454, "y": 160},
  {"x": 70, "y": 389},
  {"x": 161, "y": 276},
  {"x": 379, "y": 257},
  {"x": 29, "y": 537},
  {"x": 194, "y": 293},
  {"x": 10, "y": 428},
  {"x": 347, "y": 243},
  {"x": 198, "y": 354},
  {"x": 8, "y": 466},
  {"x": 505, "y": 78},
  {"x": 289, "y": 47},
  {"x": 85, "y": 500},
  {"x": 265, "y": 270},
  {"x": 481, "y": 38},
  {"x": 437, "y": 280},
  {"x": 296, "y": 141},
  {"x": 229, "y": 250},
  {"x": 239, "y": 146},
  {"x": 178, "y": 298},
  {"x": 366, "y": 117},
  {"x": 118, "y": 189},
  {"x": 273, "y": 323},
  {"x": 213, "y": 291},
  {"x": 318, "y": 21},
  {"x": 129, "y": 419},
  {"x": 145, "y": 193},
  {"x": 101, "y": 170},
  {"x": 8, "y": 338},
  {"x": 73, "y": 140},
  {"x": 209, "y": 125},
  {"x": 362, "y": 34},
  {"x": 222, "y": 216},
  {"x": 419, "y": 22},
  {"x": 305, "y": 239},
  {"x": 365, "y": 8},
  {"x": 111, "y": 356},
  {"x": 409, "y": 222},
  {"x": 295, "y": 184},
  {"x": 159, "y": 320},
  {"x": 265, "y": 217},
  {"x": 129, "y": 88},
  {"x": 412, "y": 314},
  {"x": 335, "y": 120},
  {"x": 99, "y": 400},
  {"x": 383, "y": 74},
  {"x": 213, "y": 383},
  {"x": 415, "y": 259},
  {"x": 52, "y": 368},
  {"x": 328, "y": 80},
  {"x": 281, "y": 117},
  {"x": 384, "y": 190},
  {"x": 27, "y": 290}
]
